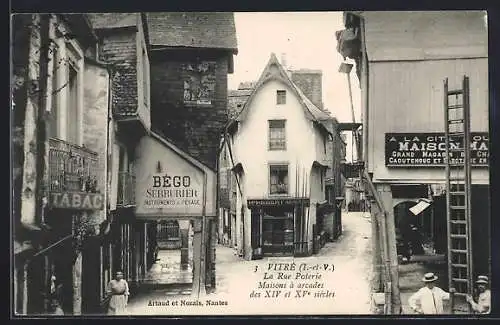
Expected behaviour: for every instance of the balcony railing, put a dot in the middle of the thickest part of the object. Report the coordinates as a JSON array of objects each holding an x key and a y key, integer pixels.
[
  {"x": 126, "y": 189},
  {"x": 71, "y": 168}
]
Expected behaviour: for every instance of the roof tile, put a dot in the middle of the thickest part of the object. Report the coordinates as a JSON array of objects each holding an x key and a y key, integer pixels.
[
  {"x": 316, "y": 114},
  {"x": 192, "y": 29},
  {"x": 113, "y": 20}
]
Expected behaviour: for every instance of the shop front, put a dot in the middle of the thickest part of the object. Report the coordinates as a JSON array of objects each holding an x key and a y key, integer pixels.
[
  {"x": 279, "y": 226},
  {"x": 75, "y": 204}
]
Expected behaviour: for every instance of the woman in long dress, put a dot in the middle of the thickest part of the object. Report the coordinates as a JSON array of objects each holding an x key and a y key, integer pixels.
[{"x": 119, "y": 292}]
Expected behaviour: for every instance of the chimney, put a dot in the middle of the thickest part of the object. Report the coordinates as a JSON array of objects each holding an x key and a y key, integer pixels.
[
  {"x": 283, "y": 61},
  {"x": 311, "y": 84}
]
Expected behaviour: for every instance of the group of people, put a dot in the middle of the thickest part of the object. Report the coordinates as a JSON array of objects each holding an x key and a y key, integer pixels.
[{"x": 429, "y": 299}]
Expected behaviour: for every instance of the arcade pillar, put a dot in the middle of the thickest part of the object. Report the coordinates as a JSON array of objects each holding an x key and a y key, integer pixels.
[
  {"x": 184, "y": 233},
  {"x": 198, "y": 259},
  {"x": 385, "y": 193}
]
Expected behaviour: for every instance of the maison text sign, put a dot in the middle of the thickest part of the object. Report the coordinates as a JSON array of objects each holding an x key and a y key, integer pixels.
[
  {"x": 429, "y": 149},
  {"x": 276, "y": 202}
]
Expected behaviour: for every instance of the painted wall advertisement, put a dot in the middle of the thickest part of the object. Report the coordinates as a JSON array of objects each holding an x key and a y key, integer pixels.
[
  {"x": 167, "y": 185},
  {"x": 429, "y": 149}
]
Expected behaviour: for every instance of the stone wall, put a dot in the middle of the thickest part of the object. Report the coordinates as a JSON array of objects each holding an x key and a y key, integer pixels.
[{"x": 197, "y": 129}]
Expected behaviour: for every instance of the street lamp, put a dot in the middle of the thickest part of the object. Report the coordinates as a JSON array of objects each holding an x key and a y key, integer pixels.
[{"x": 346, "y": 68}]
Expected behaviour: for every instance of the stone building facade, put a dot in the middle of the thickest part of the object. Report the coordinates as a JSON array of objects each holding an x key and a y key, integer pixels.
[
  {"x": 191, "y": 55},
  {"x": 61, "y": 160},
  {"x": 123, "y": 45}
]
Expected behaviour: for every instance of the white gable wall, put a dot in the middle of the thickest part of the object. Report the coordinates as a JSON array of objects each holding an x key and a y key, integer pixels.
[
  {"x": 303, "y": 140},
  {"x": 304, "y": 145}
]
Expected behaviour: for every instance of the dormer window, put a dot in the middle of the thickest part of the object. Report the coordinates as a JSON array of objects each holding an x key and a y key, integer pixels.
[{"x": 281, "y": 97}]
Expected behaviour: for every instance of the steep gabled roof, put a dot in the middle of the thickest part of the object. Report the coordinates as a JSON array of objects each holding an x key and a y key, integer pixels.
[
  {"x": 215, "y": 30},
  {"x": 275, "y": 71},
  {"x": 236, "y": 100}
]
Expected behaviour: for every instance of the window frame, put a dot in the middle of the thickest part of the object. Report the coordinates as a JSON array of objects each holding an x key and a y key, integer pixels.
[
  {"x": 280, "y": 97},
  {"x": 65, "y": 53},
  {"x": 269, "y": 144},
  {"x": 278, "y": 166}
]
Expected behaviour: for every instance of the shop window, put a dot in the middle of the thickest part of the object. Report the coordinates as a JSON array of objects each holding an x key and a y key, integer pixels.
[
  {"x": 277, "y": 135},
  {"x": 277, "y": 230},
  {"x": 281, "y": 97},
  {"x": 278, "y": 177},
  {"x": 199, "y": 83}
]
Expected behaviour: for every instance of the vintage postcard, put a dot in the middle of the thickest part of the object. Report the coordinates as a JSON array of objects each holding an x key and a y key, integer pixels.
[{"x": 256, "y": 163}]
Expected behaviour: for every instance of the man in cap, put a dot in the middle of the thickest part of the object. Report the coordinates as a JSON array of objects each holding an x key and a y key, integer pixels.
[
  {"x": 429, "y": 299},
  {"x": 483, "y": 304}
]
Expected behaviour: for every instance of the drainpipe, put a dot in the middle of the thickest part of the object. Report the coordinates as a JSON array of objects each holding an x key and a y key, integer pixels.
[
  {"x": 217, "y": 197},
  {"x": 364, "y": 85},
  {"x": 109, "y": 150},
  {"x": 202, "y": 277}
]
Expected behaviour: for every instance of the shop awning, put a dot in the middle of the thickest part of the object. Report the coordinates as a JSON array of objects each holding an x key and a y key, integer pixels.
[
  {"x": 319, "y": 164},
  {"x": 420, "y": 206},
  {"x": 349, "y": 126}
]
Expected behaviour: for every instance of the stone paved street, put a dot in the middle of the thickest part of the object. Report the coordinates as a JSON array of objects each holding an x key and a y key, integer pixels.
[
  {"x": 348, "y": 286},
  {"x": 168, "y": 270}
]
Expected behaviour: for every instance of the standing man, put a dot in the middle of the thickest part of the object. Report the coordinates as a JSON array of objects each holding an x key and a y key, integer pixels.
[
  {"x": 429, "y": 299},
  {"x": 483, "y": 304}
]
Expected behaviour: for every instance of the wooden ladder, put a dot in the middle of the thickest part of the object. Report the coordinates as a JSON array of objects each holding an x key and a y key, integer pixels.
[{"x": 458, "y": 193}]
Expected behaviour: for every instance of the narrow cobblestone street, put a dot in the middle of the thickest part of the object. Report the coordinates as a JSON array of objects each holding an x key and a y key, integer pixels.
[{"x": 237, "y": 278}]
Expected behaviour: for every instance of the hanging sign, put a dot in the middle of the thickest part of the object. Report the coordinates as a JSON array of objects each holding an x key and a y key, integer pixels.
[
  {"x": 77, "y": 200},
  {"x": 429, "y": 149},
  {"x": 277, "y": 202}
]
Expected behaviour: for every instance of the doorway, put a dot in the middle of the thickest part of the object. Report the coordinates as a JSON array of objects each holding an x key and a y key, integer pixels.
[{"x": 277, "y": 231}]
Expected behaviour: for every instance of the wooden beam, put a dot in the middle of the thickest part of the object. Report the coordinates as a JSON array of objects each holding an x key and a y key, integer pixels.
[{"x": 390, "y": 232}]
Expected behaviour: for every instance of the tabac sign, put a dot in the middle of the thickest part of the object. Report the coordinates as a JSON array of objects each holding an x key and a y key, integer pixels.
[
  {"x": 77, "y": 200},
  {"x": 170, "y": 185},
  {"x": 429, "y": 149}
]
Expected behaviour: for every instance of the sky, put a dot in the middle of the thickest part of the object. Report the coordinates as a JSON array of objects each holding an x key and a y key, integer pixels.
[{"x": 308, "y": 41}]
